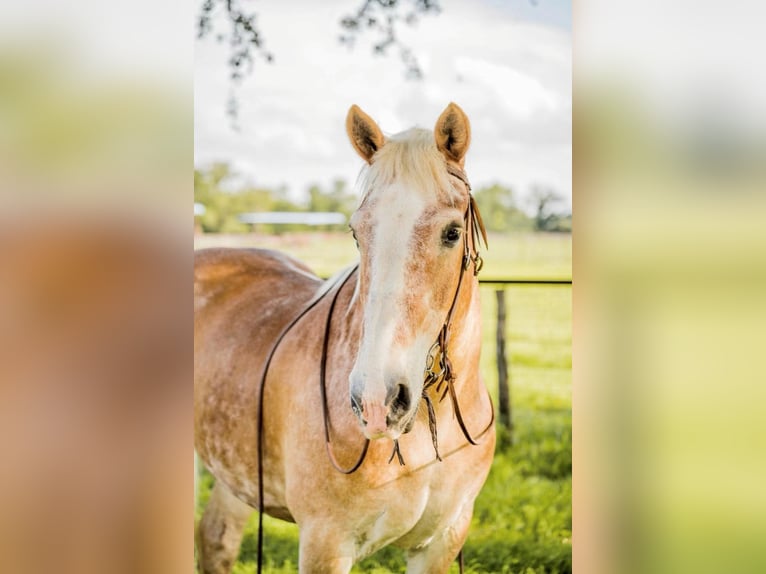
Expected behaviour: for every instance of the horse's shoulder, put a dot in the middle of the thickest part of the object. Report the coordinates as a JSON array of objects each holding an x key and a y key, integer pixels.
[{"x": 222, "y": 271}]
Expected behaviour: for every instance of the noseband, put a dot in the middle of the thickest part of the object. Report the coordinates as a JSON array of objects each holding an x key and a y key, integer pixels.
[{"x": 438, "y": 370}]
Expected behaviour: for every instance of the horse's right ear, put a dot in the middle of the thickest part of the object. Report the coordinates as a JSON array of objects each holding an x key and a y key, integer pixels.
[
  {"x": 453, "y": 133},
  {"x": 364, "y": 133}
]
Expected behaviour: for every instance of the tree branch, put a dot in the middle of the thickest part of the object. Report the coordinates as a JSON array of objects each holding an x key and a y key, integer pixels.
[{"x": 382, "y": 18}]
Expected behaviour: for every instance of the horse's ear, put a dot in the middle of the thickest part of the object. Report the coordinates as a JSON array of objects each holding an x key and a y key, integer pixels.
[
  {"x": 453, "y": 133},
  {"x": 364, "y": 133}
]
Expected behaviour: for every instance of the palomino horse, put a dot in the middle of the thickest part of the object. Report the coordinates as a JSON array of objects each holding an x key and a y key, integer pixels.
[{"x": 347, "y": 378}]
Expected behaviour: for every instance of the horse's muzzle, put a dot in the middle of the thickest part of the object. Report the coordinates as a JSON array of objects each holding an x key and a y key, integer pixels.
[{"x": 389, "y": 419}]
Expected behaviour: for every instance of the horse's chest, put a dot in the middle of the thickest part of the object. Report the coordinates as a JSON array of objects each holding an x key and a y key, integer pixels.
[{"x": 410, "y": 519}]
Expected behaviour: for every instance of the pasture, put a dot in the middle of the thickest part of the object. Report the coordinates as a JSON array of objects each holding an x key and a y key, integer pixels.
[{"x": 523, "y": 519}]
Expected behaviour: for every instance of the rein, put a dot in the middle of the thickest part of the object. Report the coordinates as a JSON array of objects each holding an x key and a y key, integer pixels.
[{"x": 442, "y": 378}]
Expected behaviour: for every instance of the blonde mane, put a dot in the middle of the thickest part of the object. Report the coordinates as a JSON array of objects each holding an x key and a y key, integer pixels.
[{"x": 410, "y": 158}]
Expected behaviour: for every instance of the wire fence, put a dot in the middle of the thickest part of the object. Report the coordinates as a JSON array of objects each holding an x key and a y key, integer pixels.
[{"x": 502, "y": 328}]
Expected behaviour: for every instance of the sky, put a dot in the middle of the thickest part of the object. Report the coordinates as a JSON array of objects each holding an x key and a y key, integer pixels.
[{"x": 507, "y": 63}]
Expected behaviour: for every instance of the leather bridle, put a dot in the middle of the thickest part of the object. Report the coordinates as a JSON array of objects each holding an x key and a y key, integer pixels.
[
  {"x": 438, "y": 371},
  {"x": 443, "y": 377}
]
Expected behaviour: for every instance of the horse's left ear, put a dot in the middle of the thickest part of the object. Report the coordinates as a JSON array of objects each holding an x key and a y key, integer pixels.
[{"x": 453, "y": 133}]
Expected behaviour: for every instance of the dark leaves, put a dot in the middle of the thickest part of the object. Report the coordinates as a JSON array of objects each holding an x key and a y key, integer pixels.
[
  {"x": 244, "y": 37},
  {"x": 382, "y": 18}
]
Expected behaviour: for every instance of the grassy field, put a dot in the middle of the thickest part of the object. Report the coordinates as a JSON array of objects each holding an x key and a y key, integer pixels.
[{"x": 523, "y": 519}]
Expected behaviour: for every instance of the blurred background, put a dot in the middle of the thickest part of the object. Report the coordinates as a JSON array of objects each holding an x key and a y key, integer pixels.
[
  {"x": 96, "y": 177},
  {"x": 670, "y": 272}
]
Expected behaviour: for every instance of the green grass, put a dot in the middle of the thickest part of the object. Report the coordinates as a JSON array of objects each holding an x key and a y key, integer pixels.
[{"x": 523, "y": 519}]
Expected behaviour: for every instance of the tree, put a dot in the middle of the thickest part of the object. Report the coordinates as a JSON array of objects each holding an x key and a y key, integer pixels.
[
  {"x": 544, "y": 200},
  {"x": 383, "y": 17},
  {"x": 224, "y": 206},
  {"x": 339, "y": 199},
  {"x": 499, "y": 210},
  {"x": 207, "y": 191}
]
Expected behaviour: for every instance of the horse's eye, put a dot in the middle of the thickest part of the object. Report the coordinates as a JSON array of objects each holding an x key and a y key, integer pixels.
[{"x": 451, "y": 236}]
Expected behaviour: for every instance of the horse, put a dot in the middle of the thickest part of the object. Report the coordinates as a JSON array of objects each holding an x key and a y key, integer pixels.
[{"x": 306, "y": 389}]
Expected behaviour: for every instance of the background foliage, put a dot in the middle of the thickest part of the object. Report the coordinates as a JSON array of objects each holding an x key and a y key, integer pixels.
[{"x": 224, "y": 198}]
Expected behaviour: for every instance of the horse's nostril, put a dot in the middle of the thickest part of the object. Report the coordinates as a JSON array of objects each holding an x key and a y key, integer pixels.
[{"x": 401, "y": 400}]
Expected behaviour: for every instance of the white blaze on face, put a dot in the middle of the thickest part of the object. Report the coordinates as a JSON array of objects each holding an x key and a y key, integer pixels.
[{"x": 381, "y": 362}]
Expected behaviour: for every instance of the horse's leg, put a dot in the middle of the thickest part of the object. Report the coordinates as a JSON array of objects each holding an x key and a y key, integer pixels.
[
  {"x": 219, "y": 532},
  {"x": 437, "y": 556},
  {"x": 320, "y": 551}
]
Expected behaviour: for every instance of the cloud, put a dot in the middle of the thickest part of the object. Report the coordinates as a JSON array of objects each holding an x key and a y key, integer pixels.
[{"x": 520, "y": 94}]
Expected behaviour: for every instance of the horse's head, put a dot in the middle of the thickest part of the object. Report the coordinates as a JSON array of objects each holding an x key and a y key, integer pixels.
[{"x": 409, "y": 229}]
